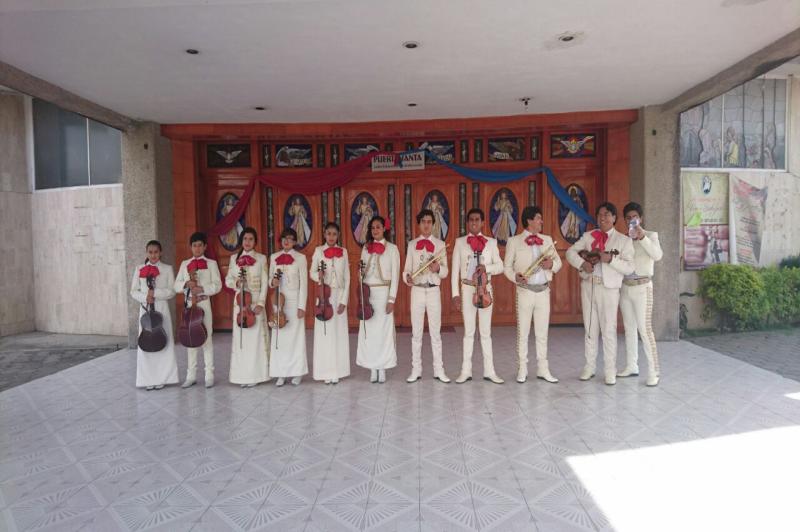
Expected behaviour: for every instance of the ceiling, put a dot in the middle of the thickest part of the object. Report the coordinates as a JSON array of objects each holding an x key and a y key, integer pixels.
[{"x": 343, "y": 61}]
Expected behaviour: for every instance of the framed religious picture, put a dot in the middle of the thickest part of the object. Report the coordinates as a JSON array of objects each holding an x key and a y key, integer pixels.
[
  {"x": 362, "y": 210},
  {"x": 335, "y": 155},
  {"x": 506, "y": 149},
  {"x": 293, "y": 156},
  {"x": 443, "y": 149},
  {"x": 503, "y": 215},
  {"x": 572, "y": 226},
  {"x": 573, "y": 146},
  {"x": 297, "y": 216},
  {"x": 226, "y": 203},
  {"x": 354, "y": 151},
  {"x": 437, "y": 202},
  {"x": 228, "y": 155},
  {"x": 534, "y": 148}
]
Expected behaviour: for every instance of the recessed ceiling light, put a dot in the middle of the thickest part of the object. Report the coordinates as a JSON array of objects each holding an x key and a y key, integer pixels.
[
  {"x": 260, "y": 108},
  {"x": 412, "y": 104},
  {"x": 411, "y": 45},
  {"x": 192, "y": 51}
]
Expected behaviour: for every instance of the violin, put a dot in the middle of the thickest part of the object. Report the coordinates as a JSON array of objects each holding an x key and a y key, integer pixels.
[
  {"x": 191, "y": 330},
  {"x": 593, "y": 257},
  {"x": 481, "y": 298},
  {"x": 364, "y": 311},
  {"x": 323, "y": 310},
  {"x": 277, "y": 301},
  {"x": 153, "y": 337},
  {"x": 246, "y": 318}
]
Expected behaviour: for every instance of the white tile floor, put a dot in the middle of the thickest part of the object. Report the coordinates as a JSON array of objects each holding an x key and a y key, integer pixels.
[{"x": 714, "y": 447}]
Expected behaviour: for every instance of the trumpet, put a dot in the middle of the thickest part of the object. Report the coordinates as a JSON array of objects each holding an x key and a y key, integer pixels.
[
  {"x": 548, "y": 253},
  {"x": 427, "y": 264}
]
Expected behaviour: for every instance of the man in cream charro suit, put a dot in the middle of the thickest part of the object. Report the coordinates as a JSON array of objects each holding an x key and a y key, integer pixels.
[
  {"x": 533, "y": 292},
  {"x": 636, "y": 297},
  {"x": 425, "y": 294},
  {"x": 463, "y": 288},
  {"x": 601, "y": 271}
]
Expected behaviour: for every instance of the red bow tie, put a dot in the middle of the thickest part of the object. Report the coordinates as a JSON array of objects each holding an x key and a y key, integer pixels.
[
  {"x": 425, "y": 244},
  {"x": 600, "y": 239},
  {"x": 376, "y": 247},
  {"x": 534, "y": 239},
  {"x": 245, "y": 260},
  {"x": 334, "y": 252},
  {"x": 149, "y": 271},
  {"x": 197, "y": 264},
  {"x": 477, "y": 243},
  {"x": 284, "y": 260}
]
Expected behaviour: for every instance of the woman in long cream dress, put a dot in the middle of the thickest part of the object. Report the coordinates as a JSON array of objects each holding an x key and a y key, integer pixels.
[
  {"x": 332, "y": 338},
  {"x": 250, "y": 345}
]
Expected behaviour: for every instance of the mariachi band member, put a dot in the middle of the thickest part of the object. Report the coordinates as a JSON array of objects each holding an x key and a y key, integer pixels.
[
  {"x": 247, "y": 275},
  {"x": 425, "y": 294},
  {"x": 155, "y": 369},
  {"x": 331, "y": 338},
  {"x": 380, "y": 258},
  {"x": 602, "y": 257},
  {"x": 200, "y": 276},
  {"x": 532, "y": 285},
  {"x": 475, "y": 258},
  {"x": 636, "y": 297},
  {"x": 287, "y": 271}
]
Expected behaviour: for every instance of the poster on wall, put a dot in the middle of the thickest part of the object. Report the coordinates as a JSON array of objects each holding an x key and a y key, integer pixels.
[
  {"x": 705, "y": 219},
  {"x": 748, "y": 206}
]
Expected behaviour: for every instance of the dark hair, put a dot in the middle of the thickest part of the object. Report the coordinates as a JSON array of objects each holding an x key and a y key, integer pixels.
[
  {"x": 332, "y": 224},
  {"x": 383, "y": 223},
  {"x": 608, "y": 206},
  {"x": 476, "y": 210},
  {"x": 289, "y": 232},
  {"x": 423, "y": 213},
  {"x": 152, "y": 243},
  {"x": 529, "y": 213},
  {"x": 245, "y": 231},
  {"x": 198, "y": 237},
  {"x": 632, "y": 206}
]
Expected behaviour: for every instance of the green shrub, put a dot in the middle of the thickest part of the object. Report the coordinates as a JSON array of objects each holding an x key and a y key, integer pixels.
[
  {"x": 783, "y": 294},
  {"x": 790, "y": 262},
  {"x": 736, "y": 293}
]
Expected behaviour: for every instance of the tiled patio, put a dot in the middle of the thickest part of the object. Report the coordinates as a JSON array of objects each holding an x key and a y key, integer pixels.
[{"x": 714, "y": 447}]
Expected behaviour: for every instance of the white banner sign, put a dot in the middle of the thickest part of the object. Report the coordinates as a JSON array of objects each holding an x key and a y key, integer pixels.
[{"x": 407, "y": 161}]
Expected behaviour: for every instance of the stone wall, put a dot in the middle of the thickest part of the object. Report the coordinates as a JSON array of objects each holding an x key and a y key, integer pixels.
[
  {"x": 16, "y": 248},
  {"x": 79, "y": 261}
]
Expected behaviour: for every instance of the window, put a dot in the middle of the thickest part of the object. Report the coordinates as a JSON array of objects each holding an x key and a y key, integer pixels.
[
  {"x": 743, "y": 128},
  {"x": 71, "y": 150}
]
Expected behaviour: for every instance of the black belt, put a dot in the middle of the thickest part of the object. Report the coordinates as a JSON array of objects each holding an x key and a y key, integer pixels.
[{"x": 426, "y": 285}]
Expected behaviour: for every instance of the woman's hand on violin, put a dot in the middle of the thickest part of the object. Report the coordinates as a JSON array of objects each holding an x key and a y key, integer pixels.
[
  {"x": 389, "y": 308},
  {"x": 197, "y": 290},
  {"x": 301, "y": 314},
  {"x": 259, "y": 309},
  {"x": 457, "y": 303},
  {"x": 151, "y": 298},
  {"x": 275, "y": 282},
  {"x": 341, "y": 308},
  {"x": 239, "y": 283}
]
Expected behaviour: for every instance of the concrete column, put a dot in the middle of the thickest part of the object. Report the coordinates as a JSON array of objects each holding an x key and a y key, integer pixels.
[
  {"x": 16, "y": 246},
  {"x": 655, "y": 184},
  {"x": 147, "y": 199}
]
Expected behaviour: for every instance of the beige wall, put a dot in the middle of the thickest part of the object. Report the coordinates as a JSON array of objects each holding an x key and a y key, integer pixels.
[
  {"x": 79, "y": 261},
  {"x": 16, "y": 249}
]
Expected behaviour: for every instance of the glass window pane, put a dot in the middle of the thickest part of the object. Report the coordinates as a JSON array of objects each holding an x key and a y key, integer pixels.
[
  {"x": 775, "y": 120},
  {"x": 59, "y": 147},
  {"x": 732, "y": 123},
  {"x": 701, "y": 131},
  {"x": 105, "y": 153},
  {"x": 753, "y": 123}
]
